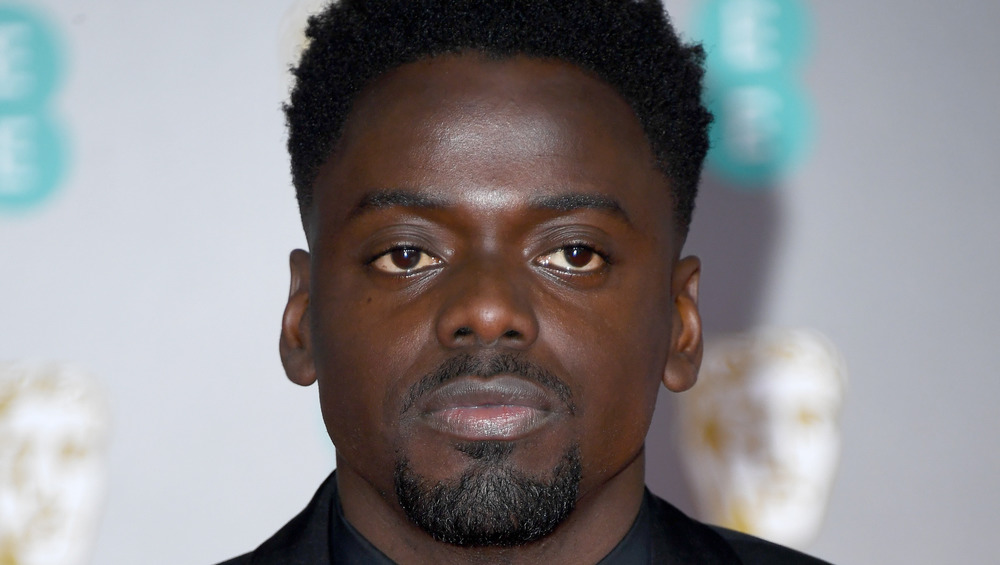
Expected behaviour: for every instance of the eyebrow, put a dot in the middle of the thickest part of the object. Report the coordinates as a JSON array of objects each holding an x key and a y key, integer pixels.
[
  {"x": 389, "y": 198},
  {"x": 569, "y": 202},
  {"x": 581, "y": 201}
]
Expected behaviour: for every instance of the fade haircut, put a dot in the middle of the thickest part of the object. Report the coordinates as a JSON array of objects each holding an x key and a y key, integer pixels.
[{"x": 629, "y": 44}]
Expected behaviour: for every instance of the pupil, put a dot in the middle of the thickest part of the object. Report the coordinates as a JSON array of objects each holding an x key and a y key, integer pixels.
[
  {"x": 578, "y": 256},
  {"x": 405, "y": 259}
]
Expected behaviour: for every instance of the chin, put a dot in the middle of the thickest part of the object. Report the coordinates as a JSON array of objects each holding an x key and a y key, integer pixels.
[{"x": 493, "y": 501}]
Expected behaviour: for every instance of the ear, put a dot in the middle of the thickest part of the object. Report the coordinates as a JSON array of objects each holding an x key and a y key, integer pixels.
[
  {"x": 295, "y": 344},
  {"x": 682, "y": 367}
]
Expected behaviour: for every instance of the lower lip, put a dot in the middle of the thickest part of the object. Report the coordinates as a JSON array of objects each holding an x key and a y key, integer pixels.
[{"x": 494, "y": 422}]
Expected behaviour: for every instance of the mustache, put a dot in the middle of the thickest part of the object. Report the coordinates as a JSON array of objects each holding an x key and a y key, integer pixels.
[{"x": 465, "y": 365}]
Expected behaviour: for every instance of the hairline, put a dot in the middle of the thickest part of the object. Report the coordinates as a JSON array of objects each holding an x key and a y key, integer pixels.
[{"x": 308, "y": 217}]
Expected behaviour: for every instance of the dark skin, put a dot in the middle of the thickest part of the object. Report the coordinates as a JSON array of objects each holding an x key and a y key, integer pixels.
[{"x": 478, "y": 206}]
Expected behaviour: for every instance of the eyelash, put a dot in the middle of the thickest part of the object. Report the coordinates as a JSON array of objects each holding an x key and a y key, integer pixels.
[
  {"x": 370, "y": 263},
  {"x": 589, "y": 246},
  {"x": 606, "y": 259},
  {"x": 394, "y": 247}
]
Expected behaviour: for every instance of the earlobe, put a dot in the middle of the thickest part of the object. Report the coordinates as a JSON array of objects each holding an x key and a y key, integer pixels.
[
  {"x": 682, "y": 367},
  {"x": 295, "y": 344}
]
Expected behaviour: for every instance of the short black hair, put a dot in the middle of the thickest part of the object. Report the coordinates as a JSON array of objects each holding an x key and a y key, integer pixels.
[{"x": 629, "y": 44}]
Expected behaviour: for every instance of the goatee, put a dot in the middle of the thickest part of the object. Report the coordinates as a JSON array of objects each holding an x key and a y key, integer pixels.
[{"x": 492, "y": 503}]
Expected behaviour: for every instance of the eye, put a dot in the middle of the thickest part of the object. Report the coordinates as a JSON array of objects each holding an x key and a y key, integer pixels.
[
  {"x": 404, "y": 261},
  {"x": 573, "y": 259}
]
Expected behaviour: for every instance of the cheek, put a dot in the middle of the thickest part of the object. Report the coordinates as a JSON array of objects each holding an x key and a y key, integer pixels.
[
  {"x": 616, "y": 347},
  {"x": 362, "y": 367}
]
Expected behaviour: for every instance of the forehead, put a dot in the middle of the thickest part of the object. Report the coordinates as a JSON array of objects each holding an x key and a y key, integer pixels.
[{"x": 519, "y": 128}]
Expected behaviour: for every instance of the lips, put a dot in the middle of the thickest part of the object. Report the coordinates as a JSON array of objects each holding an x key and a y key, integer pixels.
[{"x": 501, "y": 407}]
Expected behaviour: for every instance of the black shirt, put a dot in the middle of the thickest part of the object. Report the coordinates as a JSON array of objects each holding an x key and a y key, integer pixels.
[{"x": 320, "y": 535}]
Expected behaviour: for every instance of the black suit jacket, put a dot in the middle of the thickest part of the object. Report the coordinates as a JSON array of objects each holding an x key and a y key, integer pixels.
[{"x": 315, "y": 535}]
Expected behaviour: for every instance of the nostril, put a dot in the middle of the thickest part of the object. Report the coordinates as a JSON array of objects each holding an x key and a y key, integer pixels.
[
  {"x": 463, "y": 331},
  {"x": 512, "y": 334}
]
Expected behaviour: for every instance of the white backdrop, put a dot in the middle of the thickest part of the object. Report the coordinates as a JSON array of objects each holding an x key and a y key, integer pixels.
[{"x": 161, "y": 266}]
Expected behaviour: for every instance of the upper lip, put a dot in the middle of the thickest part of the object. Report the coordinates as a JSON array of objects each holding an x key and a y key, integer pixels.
[{"x": 498, "y": 390}]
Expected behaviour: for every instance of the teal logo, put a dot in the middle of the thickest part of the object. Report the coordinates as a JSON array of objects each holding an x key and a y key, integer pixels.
[
  {"x": 762, "y": 129},
  {"x": 32, "y": 151},
  {"x": 763, "y": 120}
]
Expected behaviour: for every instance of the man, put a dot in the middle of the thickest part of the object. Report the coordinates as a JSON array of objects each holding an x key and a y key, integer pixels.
[{"x": 495, "y": 197}]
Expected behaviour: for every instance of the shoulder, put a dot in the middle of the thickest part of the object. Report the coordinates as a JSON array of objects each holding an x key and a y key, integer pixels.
[
  {"x": 702, "y": 543},
  {"x": 241, "y": 560},
  {"x": 755, "y": 551},
  {"x": 303, "y": 540}
]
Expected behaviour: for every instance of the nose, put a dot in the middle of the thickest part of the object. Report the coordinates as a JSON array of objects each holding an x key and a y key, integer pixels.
[{"x": 486, "y": 306}]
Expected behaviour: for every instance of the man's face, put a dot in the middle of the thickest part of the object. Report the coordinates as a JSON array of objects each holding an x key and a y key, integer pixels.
[{"x": 493, "y": 288}]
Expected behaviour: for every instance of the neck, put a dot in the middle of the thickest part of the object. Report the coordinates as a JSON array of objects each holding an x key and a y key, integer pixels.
[{"x": 603, "y": 515}]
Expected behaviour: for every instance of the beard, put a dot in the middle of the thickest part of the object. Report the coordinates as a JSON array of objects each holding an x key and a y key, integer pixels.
[{"x": 492, "y": 503}]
